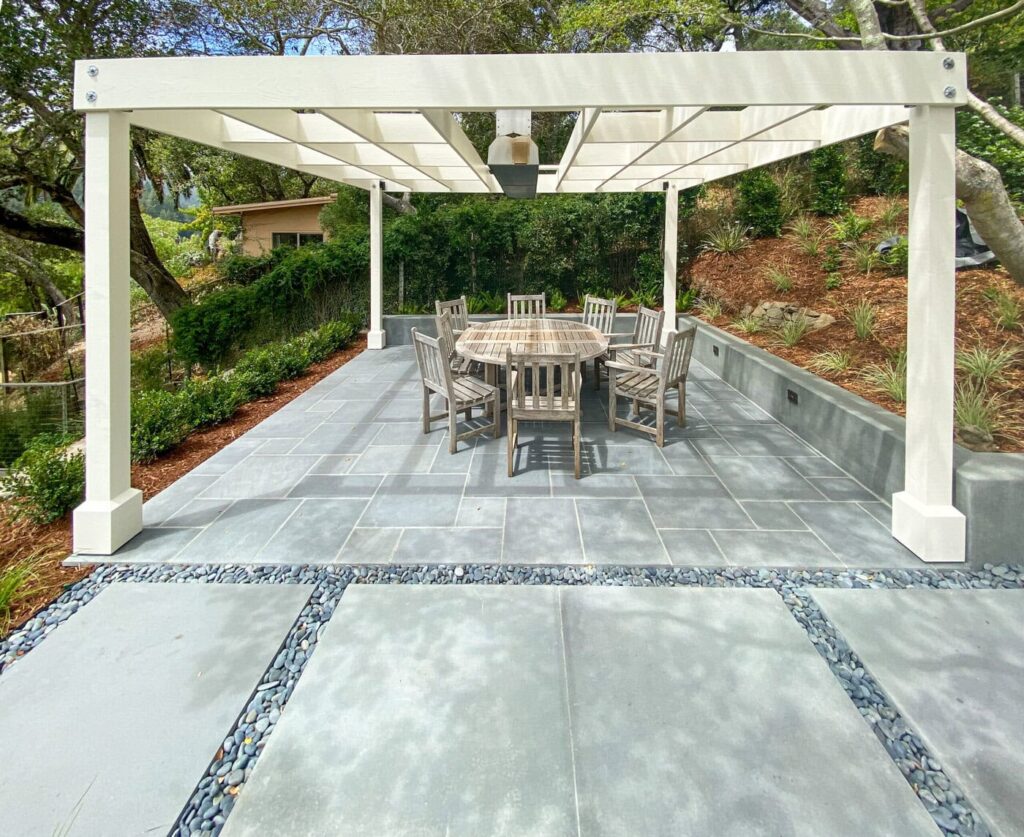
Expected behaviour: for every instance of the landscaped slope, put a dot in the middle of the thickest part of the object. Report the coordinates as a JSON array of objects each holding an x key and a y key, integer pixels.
[{"x": 795, "y": 269}]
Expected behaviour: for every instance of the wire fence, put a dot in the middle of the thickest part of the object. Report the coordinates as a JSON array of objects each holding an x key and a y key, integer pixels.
[{"x": 28, "y": 410}]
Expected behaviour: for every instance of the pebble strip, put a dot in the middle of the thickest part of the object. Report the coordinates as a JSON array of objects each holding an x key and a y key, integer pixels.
[{"x": 213, "y": 798}]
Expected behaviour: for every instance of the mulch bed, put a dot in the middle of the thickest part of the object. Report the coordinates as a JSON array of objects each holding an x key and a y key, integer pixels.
[
  {"x": 49, "y": 545},
  {"x": 739, "y": 280}
]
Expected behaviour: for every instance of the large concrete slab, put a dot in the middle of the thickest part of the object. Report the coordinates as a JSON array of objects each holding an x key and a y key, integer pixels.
[
  {"x": 443, "y": 710},
  {"x": 707, "y": 711},
  {"x": 425, "y": 710},
  {"x": 108, "y": 725},
  {"x": 953, "y": 662}
]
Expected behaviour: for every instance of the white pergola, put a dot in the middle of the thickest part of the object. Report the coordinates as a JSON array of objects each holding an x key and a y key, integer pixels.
[{"x": 645, "y": 122}]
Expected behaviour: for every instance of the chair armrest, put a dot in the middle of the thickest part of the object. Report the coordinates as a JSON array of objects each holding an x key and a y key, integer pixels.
[
  {"x": 649, "y": 353},
  {"x": 629, "y": 367},
  {"x": 617, "y": 346}
]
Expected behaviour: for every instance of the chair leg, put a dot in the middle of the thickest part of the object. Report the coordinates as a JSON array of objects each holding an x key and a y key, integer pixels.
[
  {"x": 597, "y": 374},
  {"x": 511, "y": 443},
  {"x": 660, "y": 422},
  {"x": 636, "y": 409},
  {"x": 576, "y": 448},
  {"x": 453, "y": 441},
  {"x": 612, "y": 404},
  {"x": 681, "y": 405},
  {"x": 426, "y": 410}
]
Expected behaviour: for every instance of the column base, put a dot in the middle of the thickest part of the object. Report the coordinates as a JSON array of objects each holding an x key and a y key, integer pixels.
[
  {"x": 375, "y": 339},
  {"x": 101, "y": 527},
  {"x": 936, "y": 534}
]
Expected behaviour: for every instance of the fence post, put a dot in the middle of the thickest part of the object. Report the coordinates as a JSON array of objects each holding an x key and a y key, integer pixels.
[
  {"x": 3, "y": 361},
  {"x": 64, "y": 410}
]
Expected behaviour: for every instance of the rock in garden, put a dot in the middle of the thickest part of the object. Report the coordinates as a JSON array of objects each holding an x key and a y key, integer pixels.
[{"x": 773, "y": 314}]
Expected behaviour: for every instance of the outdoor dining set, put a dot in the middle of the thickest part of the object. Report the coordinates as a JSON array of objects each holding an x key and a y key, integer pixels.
[{"x": 541, "y": 363}]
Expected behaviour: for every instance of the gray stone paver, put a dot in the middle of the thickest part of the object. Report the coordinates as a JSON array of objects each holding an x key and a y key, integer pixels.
[
  {"x": 951, "y": 661},
  {"x": 702, "y": 711},
  {"x": 466, "y": 710},
  {"x": 354, "y": 434},
  {"x": 122, "y": 708},
  {"x": 423, "y": 711}
]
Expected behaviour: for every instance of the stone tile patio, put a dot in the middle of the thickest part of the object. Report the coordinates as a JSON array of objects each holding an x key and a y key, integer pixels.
[{"x": 344, "y": 474}]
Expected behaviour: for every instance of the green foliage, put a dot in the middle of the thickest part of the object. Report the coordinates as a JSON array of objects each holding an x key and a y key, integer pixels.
[
  {"x": 46, "y": 481},
  {"x": 808, "y": 239},
  {"x": 835, "y": 360},
  {"x": 975, "y": 136},
  {"x": 38, "y": 411},
  {"x": 863, "y": 256},
  {"x": 781, "y": 281},
  {"x": 179, "y": 249},
  {"x": 850, "y": 227},
  {"x": 890, "y": 215},
  {"x": 158, "y": 424},
  {"x": 727, "y": 238},
  {"x": 206, "y": 332},
  {"x": 828, "y": 180},
  {"x": 890, "y": 377},
  {"x": 975, "y": 407},
  {"x": 1006, "y": 309},
  {"x": 833, "y": 281},
  {"x": 557, "y": 301},
  {"x": 748, "y": 324},
  {"x": 862, "y": 315},
  {"x": 758, "y": 203},
  {"x": 149, "y": 368},
  {"x": 202, "y": 402},
  {"x": 875, "y": 173},
  {"x": 686, "y": 300},
  {"x": 710, "y": 308},
  {"x": 984, "y": 365},
  {"x": 16, "y": 581},
  {"x": 831, "y": 260},
  {"x": 244, "y": 270},
  {"x": 161, "y": 419},
  {"x": 897, "y": 259},
  {"x": 793, "y": 331},
  {"x": 644, "y": 297}
]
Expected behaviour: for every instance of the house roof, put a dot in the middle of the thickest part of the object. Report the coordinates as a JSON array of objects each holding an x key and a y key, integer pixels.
[{"x": 239, "y": 208}]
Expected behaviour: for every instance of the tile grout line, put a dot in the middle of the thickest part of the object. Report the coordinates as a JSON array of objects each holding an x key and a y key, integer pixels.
[{"x": 568, "y": 709}]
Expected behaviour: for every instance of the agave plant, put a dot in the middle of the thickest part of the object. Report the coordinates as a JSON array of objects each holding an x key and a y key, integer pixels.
[{"x": 728, "y": 238}]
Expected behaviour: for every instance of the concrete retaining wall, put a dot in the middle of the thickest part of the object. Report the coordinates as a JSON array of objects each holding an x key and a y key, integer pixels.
[
  {"x": 857, "y": 435},
  {"x": 868, "y": 441}
]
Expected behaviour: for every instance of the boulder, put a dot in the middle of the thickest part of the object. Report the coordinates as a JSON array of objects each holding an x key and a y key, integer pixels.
[{"x": 773, "y": 314}]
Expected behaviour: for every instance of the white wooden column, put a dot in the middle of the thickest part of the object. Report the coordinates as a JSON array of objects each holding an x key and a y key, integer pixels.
[
  {"x": 375, "y": 339},
  {"x": 923, "y": 515},
  {"x": 671, "y": 269},
  {"x": 112, "y": 511}
]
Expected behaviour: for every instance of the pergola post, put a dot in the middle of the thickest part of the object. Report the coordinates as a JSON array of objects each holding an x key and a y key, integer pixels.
[
  {"x": 923, "y": 516},
  {"x": 375, "y": 339},
  {"x": 112, "y": 512},
  {"x": 671, "y": 253}
]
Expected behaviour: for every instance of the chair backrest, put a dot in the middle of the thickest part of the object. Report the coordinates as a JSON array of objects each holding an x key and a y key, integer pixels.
[
  {"x": 457, "y": 308},
  {"x": 432, "y": 359},
  {"x": 647, "y": 329},
  {"x": 675, "y": 360},
  {"x": 543, "y": 385},
  {"x": 446, "y": 333},
  {"x": 527, "y": 306},
  {"x": 600, "y": 313}
]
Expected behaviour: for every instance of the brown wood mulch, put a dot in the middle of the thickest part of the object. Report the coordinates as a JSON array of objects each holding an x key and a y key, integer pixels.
[
  {"x": 47, "y": 546},
  {"x": 740, "y": 279}
]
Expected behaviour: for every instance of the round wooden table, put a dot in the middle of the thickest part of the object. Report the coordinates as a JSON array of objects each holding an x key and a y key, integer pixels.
[{"x": 489, "y": 343}]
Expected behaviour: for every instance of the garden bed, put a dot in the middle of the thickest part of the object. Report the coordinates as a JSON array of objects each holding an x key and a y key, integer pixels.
[
  {"x": 745, "y": 279},
  {"x": 49, "y": 545}
]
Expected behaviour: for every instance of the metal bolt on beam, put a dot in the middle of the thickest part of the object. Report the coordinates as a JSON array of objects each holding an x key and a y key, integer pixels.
[
  {"x": 948, "y": 63},
  {"x": 949, "y": 92},
  {"x": 93, "y": 71},
  {"x": 90, "y": 96}
]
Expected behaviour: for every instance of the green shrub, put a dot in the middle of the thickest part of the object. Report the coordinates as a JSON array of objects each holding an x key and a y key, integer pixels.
[
  {"x": 244, "y": 270},
  {"x": 557, "y": 300},
  {"x": 850, "y": 227},
  {"x": 686, "y": 300},
  {"x": 206, "y": 332},
  {"x": 758, "y": 203},
  {"x": 828, "y": 180},
  {"x": 46, "y": 481},
  {"x": 831, "y": 260},
  {"x": 17, "y": 582},
  {"x": 975, "y": 136},
  {"x": 897, "y": 258},
  {"x": 833, "y": 280},
  {"x": 158, "y": 424},
  {"x": 321, "y": 343},
  {"x": 205, "y": 402},
  {"x": 149, "y": 368}
]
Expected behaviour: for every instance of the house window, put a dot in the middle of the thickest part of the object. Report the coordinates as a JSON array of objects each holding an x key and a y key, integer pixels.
[{"x": 295, "y": 239}]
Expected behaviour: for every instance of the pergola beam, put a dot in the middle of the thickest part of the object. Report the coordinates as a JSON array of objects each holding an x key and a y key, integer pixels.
[
  {"x": 675, "y": 119},
  {"x": 535, "y": 82}
]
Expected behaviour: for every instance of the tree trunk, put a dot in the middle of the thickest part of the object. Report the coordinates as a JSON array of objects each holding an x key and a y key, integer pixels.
[
  {"x": 147, "y": 269},
  {"x": 403, "y": 205},
  {"x": 981, "y": 189}
]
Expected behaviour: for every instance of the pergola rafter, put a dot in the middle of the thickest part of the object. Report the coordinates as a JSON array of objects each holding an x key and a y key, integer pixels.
[{"x": 645, "y": 122}]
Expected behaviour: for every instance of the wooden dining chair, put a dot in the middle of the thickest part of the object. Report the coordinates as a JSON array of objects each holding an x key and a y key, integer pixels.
[
  {"x": 649, "y": 384},
  {"x": 646, "y": 335},
  {"x": 533, "y": 395},
  {"x": 527, "y": 306},
  {"x": 600, "y": 314},
  {"x": 460, "y": 393},
  {"x": 458, "y": 309},
  {"x": 458, "y": 364}
]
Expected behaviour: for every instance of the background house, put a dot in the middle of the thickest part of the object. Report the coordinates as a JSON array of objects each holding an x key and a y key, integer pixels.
[{"x": 277, "y": 223}]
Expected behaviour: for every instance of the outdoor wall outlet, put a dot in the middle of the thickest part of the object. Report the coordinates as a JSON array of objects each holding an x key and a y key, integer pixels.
[
  {"x": 714, "y": 351},
  {"x": 792, "y": 397}
]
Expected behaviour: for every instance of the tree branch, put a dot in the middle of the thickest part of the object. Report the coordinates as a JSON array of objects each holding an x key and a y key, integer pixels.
[{"x": 41, "y": 232}]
